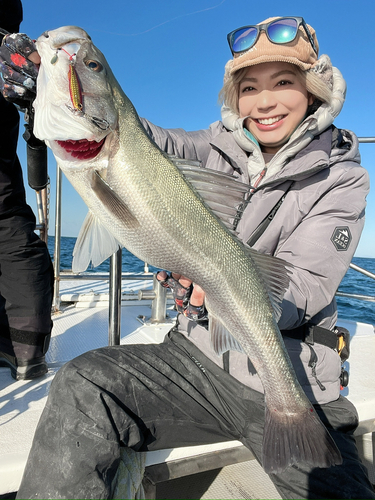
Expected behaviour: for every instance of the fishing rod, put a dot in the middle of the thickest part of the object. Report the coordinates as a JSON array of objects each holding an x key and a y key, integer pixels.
[{"x": 37, "y": 168}]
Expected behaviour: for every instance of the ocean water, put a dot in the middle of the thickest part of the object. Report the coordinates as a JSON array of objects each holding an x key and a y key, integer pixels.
[
  {"x": 353, "y": 282},
  {"x": 130, "y": 264}
]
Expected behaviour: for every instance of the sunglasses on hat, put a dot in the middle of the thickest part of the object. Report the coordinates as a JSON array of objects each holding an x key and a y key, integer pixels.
[{"x": 279, "y": 31}]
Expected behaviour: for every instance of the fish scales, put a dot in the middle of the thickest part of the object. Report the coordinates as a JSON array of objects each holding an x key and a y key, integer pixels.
[{"x": 137, "y": 196}]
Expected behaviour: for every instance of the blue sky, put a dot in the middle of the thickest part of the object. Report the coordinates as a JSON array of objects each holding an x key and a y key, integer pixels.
[{"x": 169, "y": 57}]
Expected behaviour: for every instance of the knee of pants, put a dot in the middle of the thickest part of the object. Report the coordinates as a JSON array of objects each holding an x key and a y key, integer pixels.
[{"x": 69, "y": 385}]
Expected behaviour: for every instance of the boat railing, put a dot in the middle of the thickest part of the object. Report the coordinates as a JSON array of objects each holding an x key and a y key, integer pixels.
[
  {"x": 158, "y": 294},
  {"x": 369, "y": 298}
]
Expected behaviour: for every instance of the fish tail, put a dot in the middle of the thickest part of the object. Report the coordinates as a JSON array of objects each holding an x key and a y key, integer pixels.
[{"x": 297, "y": 438}]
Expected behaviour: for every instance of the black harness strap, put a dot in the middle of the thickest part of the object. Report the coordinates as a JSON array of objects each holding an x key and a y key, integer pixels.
[
  {"x": 254, "y": 237},
  {"x": 267, "y": 220},
  {"x": 312, "y": 334}
]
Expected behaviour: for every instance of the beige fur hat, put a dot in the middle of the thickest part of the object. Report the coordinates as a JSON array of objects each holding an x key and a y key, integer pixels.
[{"x": 298, "y": 52}]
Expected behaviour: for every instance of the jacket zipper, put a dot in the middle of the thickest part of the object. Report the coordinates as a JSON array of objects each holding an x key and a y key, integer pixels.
[{"x": 259, "y": 180}]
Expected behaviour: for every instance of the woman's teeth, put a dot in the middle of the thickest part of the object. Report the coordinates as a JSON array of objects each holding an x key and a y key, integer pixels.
[{"x": 269, "y": 121}]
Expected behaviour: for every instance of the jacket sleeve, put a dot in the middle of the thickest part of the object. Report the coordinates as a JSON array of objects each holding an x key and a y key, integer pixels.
[
  {"x": 12, "y": 191},
  {"x": 10, "y": 15},
  {"x": 189, "y": 145},
  {"x": 322, "y": 246}
]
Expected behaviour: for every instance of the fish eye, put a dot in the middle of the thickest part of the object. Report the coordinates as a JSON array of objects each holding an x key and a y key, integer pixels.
[{"x": 94, "y": 65}]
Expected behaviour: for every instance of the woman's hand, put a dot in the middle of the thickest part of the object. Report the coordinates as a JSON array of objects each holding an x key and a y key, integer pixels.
[
  {"x": 19, "y": 64},
  {"x": 189, "y": 298}
]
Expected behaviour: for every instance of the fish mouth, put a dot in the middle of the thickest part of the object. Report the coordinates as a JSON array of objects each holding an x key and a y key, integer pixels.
[{"x": 82, "y": 149}]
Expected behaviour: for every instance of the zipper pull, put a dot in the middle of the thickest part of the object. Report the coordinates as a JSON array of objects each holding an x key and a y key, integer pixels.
[
  {"x": 312, "y": 365},
  {"x": 259, "y": 180}
]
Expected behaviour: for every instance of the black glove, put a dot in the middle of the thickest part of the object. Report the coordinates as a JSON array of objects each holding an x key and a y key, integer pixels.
[
  {"x": 181, "y": 296},
  {"x": 17, "y": 73}
]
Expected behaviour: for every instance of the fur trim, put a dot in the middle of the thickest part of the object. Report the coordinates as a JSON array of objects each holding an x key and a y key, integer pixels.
[
  {"x": 227, "y": 72},
  {"x": 323, "y": 68}
]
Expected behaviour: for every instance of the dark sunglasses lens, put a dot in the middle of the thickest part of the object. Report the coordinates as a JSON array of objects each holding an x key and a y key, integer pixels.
[
  {"x": 243, "y": 39},
  {"x": 283, "y": 31}
]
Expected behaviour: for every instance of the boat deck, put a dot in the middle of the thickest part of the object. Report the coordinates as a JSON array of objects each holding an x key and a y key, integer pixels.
[{"x": 82, "y": 324}]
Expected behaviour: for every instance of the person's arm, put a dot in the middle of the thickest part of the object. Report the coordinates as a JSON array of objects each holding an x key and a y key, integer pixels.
[
  {"x": 193, "y": 146},
  {"x": 189, "y": 145},
  {"x": 11, "y": 15},
  {"x": 12, "y": 192},
  {"x": 319, "y": 263}
]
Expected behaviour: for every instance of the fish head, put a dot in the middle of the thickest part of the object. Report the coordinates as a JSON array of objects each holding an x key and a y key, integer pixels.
[{"x": 75, "y": 110}]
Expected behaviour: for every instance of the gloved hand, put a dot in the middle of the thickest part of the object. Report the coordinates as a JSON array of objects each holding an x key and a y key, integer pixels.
[
  {"x": 184, "y": 292},
  {"x": 18, "y": 69}
]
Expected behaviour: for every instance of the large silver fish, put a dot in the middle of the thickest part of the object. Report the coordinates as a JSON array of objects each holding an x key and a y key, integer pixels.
[{"x": 170, "y": 215}]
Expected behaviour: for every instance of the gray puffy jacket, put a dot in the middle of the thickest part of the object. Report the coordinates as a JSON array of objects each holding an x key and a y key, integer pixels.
[{"x": 316, "y": 228}]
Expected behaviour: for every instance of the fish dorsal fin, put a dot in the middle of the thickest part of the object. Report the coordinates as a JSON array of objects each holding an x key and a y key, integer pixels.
[
  {"x": 94, "y": 244},
  {"x": 221, "y": 339},
  {"x": 221, "y": 192},
  {"x": 275, "y": 274}
]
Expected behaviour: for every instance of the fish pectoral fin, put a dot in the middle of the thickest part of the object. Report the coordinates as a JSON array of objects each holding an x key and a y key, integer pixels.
[
  {"x": 221, "y": 339},
  {"x": 94, "y": 244},
  {"x": 112, "y": 201}
]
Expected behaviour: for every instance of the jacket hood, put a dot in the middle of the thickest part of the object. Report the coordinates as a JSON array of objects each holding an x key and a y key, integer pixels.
[{"x": 313, "y": 125}]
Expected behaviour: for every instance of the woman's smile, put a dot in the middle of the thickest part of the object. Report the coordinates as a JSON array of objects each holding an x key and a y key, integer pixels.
[{"x": 268, "y": 123}]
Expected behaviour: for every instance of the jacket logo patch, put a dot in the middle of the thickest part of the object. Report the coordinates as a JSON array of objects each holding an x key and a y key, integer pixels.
[{"x": 341, "y": 238}]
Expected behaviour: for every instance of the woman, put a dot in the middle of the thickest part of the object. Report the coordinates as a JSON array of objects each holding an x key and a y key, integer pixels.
[{"x": 276, "y": 134}]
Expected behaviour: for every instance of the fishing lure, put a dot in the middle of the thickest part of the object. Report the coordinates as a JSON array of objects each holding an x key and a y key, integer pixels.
[{"x": 75, "y": 90}]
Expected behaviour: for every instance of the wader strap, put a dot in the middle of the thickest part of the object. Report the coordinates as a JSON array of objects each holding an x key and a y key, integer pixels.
[
  {"x": 312, "y": 334},
  {"x": 338, "y": 339}
]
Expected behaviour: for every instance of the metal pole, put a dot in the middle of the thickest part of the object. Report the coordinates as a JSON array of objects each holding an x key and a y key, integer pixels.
[
  {"x": 42, "y": 214},
  {"x": 45, "y": 201},
  {"x": 114, "y": 327},
  {"x": 366, "y": 139},
  {"x": 361, "y": 270},
  {"x": 68, "y": 275},
  {"x": 56, "y": 255},
  {"x": 368, "y": 298},
  {"x": 159, "y": 304}
]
